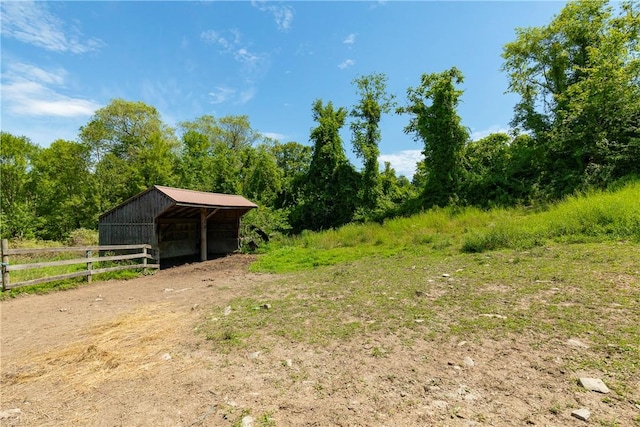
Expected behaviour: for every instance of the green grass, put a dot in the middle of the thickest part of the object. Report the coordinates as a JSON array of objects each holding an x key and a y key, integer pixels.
[{"x": 595, "y": 217}]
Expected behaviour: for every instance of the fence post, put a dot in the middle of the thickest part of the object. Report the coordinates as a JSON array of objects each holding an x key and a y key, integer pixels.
[
  {"x": 144, "y": 260},
  {"x": 5, "y": 264},
  {"x": 89, "y": 267}
]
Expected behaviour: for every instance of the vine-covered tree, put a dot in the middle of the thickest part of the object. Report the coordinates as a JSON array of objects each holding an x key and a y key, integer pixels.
[
  {"x": 327, "y": 193},
  {"x": 579, "y": 83},
  {"x": 374, "y": 101},
  {"x": 486, "y": 163},
  {"x": 435, "y": 122}
]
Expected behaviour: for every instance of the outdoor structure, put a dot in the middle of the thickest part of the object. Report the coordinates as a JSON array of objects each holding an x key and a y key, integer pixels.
[{"x": 176, "y": 222}]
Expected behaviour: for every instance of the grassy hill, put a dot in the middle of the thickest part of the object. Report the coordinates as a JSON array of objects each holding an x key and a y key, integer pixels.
[{"x": 593, "y": 217}]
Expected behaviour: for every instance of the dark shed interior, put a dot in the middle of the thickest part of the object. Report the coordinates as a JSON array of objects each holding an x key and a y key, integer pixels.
[{"x": 177, "y": 223}]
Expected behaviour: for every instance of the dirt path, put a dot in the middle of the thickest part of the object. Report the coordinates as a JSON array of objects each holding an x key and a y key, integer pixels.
[
  {"x": 125, "y": 354},
  {"x": 113, "y": 353}
]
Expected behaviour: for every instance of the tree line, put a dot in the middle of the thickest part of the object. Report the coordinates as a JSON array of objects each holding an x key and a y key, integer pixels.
[{"x": 575, "y": 127}]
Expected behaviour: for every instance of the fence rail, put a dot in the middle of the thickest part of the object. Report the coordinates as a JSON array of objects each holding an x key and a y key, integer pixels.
[{"x": 88, "y": 259}]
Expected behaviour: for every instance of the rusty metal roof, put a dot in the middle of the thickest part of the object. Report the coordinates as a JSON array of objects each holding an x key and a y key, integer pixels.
[{"x": 201, "y": 198}]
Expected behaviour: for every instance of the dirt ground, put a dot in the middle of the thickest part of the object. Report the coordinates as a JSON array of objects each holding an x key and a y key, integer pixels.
[{"x": 124, "y": 353}]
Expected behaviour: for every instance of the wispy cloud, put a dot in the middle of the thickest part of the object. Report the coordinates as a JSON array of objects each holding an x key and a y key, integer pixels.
[
  {"x": 404, "y": 162},
  {"x": 165, "y": 95},
  {"x": 32, "y": 23},
  {"x": 350, "y": 39},
  {"x": 226, "y": 94},
  {"x": 476, "y": 135},
  {"x": 346, "y": 64},
  {"x": 282, "y": 14},
  {"x": 253, "y": 66},
  {"x": 246, "y": 95},
  {"x": 378, "y": 3},
  {"x": 274, "y": 135},
  {"x": 221, "y": 94},
  {"x": 230, "y": 42},
  {"x": 32, "y": 91}
]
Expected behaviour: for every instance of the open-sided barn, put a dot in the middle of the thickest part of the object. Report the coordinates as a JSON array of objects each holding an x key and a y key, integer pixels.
[{"x": 177, "y": 222}]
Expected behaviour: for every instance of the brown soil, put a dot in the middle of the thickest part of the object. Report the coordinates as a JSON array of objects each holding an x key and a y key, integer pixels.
[{"x": 125, "y": 353}]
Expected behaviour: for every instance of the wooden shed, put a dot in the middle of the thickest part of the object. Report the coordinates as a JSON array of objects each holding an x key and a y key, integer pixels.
[{"x": 177, "y": 222}]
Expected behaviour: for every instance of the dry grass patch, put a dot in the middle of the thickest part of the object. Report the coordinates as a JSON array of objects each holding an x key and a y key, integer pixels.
[{"x": 128, "y": 347}]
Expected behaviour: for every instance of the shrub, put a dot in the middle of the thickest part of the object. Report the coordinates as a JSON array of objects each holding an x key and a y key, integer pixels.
[{"x": 82, "y": 237}]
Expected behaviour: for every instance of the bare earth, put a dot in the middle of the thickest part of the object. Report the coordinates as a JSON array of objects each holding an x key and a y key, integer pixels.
[{"x": 125, "y": 353}]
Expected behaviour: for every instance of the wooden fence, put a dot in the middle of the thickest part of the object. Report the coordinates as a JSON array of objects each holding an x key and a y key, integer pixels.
[{"x": 88, "y": 259}]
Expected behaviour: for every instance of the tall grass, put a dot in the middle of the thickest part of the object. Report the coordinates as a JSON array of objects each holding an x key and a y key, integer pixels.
[{"x": 596, "y": 216}]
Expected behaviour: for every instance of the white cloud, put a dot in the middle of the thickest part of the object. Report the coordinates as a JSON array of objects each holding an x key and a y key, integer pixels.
[
  {"x": 244, "y": 56},
  {"x": 221, "y": 94},
  {"x": 32, "y": 23},
  {"x": 274, "y": 135},
  {"x": 228, "y": 43},
  {"x": 246, "y": 95},
  {"x": 346, "y": 64},
  {"x": 224, "y": 94},
  {"x": 33, "y": 73},
  {"x": 351, "y": 39},
  {"x": 32, "y": 91},
  {"x": 476, "y": 135},
  {"x": 283, "y": 14},
  {"x": 253, "y": 66},
  {"x": 163, "y": 94},
  {"x": 404, "y": 162},
  {"x": 231, "y": 43}
]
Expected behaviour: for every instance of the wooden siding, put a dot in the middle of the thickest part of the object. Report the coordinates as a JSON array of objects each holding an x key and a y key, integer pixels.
[
  {"x": 133, "y": 222},
  {"x": 127, "y": 234},
  {"x": 154, "y": 218},
  {"x": 143, "y": 208}
]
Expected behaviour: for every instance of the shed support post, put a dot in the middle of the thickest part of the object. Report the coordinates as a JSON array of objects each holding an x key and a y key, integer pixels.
[{"x": 203, "y": 234}]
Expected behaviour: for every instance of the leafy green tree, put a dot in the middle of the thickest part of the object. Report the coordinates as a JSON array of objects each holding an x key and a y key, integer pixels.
[
  {"x": 374, "y": 101},
  {"x": 17, "y": 199},
  {"x": 327, "y": 192},
  {"x": 132, "y": 140},
  {"x": 435, "y": 121},
  {"x": 236, "y": 132},
  {"x": 578, "y": 79},
  {"x": 233, "y": 131},
  {"x": 219, "y": 155},
  {"x": 227, "y": 169},
  {"x": 195, "y": 165},
  {"x": 262, "y": 177},
  {"x": 293, "y": 159},
  {"x": 65, "y": 189}
]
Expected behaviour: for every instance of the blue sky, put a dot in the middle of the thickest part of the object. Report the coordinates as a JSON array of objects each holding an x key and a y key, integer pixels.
[{"x": 269, "y": 60}]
